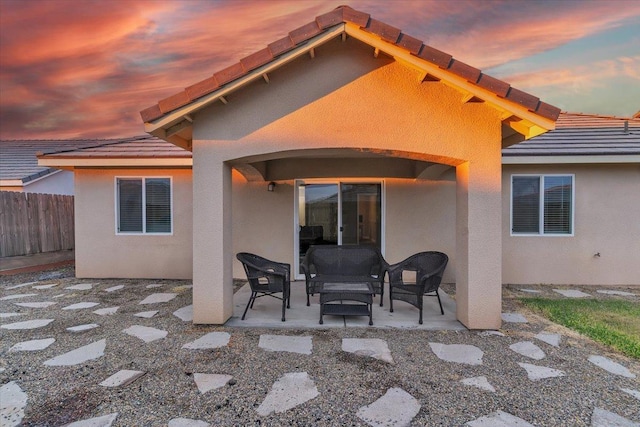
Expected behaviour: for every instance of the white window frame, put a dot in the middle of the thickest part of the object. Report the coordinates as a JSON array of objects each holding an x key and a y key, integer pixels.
[
  {"x": 541, "y": 233},
  {"x": 144, "y": 210}
]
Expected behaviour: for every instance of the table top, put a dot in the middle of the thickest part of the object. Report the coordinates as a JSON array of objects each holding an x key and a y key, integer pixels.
[{"x": 354, "y": 288}]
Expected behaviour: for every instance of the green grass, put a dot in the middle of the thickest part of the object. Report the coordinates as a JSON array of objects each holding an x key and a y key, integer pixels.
[{"x": 612, "y": 322}]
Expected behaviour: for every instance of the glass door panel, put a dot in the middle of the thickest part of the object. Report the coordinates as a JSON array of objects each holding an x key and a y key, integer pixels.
[
  {"x": 361, "y": 218},
  {"x": 317, "y": 216}
]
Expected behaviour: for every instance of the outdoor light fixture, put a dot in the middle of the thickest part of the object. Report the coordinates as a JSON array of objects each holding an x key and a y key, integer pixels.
[{"x": 271, "y": 186}]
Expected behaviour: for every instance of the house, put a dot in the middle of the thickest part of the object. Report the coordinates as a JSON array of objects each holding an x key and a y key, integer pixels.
[
  {"x": 583, "y": 227},
  {"x": 364, "y": 134},
  {"x": 19, "y": 169}
]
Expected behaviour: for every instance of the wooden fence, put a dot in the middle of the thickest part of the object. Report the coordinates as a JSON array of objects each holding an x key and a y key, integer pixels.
[{"x": 31, "y": 223}]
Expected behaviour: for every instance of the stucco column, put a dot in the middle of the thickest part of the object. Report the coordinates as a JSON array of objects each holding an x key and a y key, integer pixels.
[
  {"x": 479, "y": 244},
  {"x": 212, "y": 246}
]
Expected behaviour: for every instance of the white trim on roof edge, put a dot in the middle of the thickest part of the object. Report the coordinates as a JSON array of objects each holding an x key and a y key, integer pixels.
[
  {"x": 116, "y": 162},
  {"x": 570, "y": 159}
]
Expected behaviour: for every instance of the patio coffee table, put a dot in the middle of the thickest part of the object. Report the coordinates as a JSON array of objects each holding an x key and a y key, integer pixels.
[{"x": 357, "y": 292}]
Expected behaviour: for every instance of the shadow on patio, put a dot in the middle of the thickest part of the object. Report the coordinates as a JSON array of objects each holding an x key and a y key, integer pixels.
[{"x": 266, "y": 313}]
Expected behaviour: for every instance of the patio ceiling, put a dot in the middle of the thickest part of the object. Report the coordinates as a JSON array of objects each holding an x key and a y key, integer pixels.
[{"x": 523, "y": 115}]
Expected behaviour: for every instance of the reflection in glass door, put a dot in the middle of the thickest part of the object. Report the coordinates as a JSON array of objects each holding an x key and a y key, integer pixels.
[{"x": 338, "y": 214}]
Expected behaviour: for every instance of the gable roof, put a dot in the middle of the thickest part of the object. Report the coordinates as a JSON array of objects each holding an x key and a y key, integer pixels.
[
  {"x": 19, "y": 164},
  {"x": 137, "y": 151},
  {"x": 521, "y": 112},
  {"x": 581, "y": 138}
]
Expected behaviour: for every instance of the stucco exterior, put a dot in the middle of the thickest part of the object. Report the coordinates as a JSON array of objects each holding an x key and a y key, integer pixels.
[
  {"x": 101, "y": 252},
  {"x": 347, "y": 99},
  {"x": 607, "y": 208}
]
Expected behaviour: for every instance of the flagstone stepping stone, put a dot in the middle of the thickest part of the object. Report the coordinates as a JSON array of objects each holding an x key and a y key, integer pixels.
[
  {"x": 106, "y": 311},
  {"x": 103, "y": 421},
  {"x": 208, "y": 382},
  {"x": 82, "y": 328},
  {"x": 536, "y": 373},
  {"x": 41, "y": 287},
  {"x": 122, "y": 378},
  {"x": 371, "y": 347},
  {"x": 611, "y": 292},
  {"x": 395, "y": 408},
  {"x": 182, "y": 288},
  {"x": 61, "y": 296},
  {"x": 458, "y": 353},
  {"x": 185, "y": 313},
  {"x": 480, "y": 382},
  {"x": 603, "y": 418},
  {"x": 12, "y": 404},
  {"x": 302, "y": 345},
  {"x": 146, "y": 314},
  {"x": 81, "y": 305},
  {"x": 43, "y": 304},
  {"x": 634, "y": 393},
  {"x": 16, "y": 296},
  {"x": 114, "y": 288},
  {"x": 291, "y": 390},
  {"x": 33, "y": 345},
  {"x": 611, "y": 366},
  {"x": 21, "y": 285},
  {"x": 145, "y": 333},
  {"x": 7, "y": 315},
  {"x": 187, "y": 422},
  {"x": 528, "y": 349},
  {"x": 210, "y": 340},
  {"x": 514, "y": 318},
  {"x": 530, "y": 291},
  {"x": 499, "y": 419},
  {"x": 81, "y": 287},
  {"x": 551, "y": 339},
  {"x": 158, "y": 298},
  {"x": 491, "y": 333},
  {"x": 83, "y": 354},
  {"x": 572, "y": 293},
  {"x": 28, "y": 324},
  {"x": 154, "y": 285}
]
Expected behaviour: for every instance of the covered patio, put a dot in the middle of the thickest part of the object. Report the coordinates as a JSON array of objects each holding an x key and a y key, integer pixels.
[{"x": 266, "y": 313}]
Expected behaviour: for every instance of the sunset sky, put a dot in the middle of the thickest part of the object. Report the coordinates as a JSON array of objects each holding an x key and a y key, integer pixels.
[{"x": 82, "y": 68}]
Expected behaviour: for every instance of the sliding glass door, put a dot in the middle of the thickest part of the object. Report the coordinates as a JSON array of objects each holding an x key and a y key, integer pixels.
[{"x": 337, "y": 213}]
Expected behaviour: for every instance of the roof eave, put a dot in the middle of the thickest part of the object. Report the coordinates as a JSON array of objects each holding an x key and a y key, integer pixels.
[{"x": 571, "y": 159}]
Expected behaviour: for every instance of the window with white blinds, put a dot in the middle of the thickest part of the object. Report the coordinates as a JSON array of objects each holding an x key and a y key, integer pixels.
[
  {"x": 542, "y": 204},
  {"x": 144, "y": 205}
]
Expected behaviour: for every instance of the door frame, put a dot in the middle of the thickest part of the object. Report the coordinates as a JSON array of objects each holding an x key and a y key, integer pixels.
[{"x": 297, "y": 275}]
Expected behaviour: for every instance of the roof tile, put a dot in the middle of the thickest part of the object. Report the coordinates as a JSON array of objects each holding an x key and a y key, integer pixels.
[
  {"x": 173, "y": 102},
  {"x": 257, "y": 59},
  {"x": 281, "y": 46},
  {"x": 202, "y": 88},
  {"x": 523, "y": 98},
  {"x": 436, "y": 56},
  {"x": 305, "y": 32},
  {"x": 230, "y": 73},
  {"x": 151, "y": 113},
  {"x": 385, "y": 31},
  {"x": 464, "y": 70},
  {"x": 548, "y": 111},
  {"x": 357, "y": 17},
  {"x": 330, "y": 19},
  {"x": 499, "y": 87},
  {"x": 412, "y": 44}
]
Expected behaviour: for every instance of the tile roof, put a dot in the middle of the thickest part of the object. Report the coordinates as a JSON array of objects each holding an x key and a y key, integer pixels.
[
  {"x": 18, "y": 157},
  {"x": 578, "y": 134},
  {"x": 143, "y": 147},
  {"x": 322, "y": 23}
]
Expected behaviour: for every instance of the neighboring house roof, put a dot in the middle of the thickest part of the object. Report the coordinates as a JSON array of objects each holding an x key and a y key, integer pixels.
[
  {"x": 138, "y": 151},
  {"x": 521, "y": 112},
  {"x": 581, "y": 138},
  {"x": 19, "y": 165}
]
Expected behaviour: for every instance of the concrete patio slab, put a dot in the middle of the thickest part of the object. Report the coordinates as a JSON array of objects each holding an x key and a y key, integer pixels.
[{"x": 266, "y": 313}]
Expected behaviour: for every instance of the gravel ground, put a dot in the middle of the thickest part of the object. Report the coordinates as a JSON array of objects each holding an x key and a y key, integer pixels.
[{"x": 346, "y": 382}]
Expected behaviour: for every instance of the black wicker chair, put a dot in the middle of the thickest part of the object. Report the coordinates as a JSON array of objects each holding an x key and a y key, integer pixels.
[
  {"x": 266, "y": 278},
  {"x": 428, "y": 268}
]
